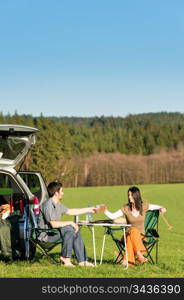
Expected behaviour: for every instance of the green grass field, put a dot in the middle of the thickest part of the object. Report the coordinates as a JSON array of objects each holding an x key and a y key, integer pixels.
[{"x": 171, "y": 259}]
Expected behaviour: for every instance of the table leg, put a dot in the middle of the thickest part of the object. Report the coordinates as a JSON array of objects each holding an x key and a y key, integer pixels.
[
  {"x": 103, "y": 245},
  {"x": 94, "y": 245},
  {"x": 124, "y": 234}
]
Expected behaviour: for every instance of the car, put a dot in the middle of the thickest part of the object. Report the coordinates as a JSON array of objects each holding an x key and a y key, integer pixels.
[{"x": 21, "y": 192}]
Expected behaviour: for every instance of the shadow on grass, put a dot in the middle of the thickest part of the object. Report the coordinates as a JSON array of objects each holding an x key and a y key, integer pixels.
[{"x": 106, "y": 261}]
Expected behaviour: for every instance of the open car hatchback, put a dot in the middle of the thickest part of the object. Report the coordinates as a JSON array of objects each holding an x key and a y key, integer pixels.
[{"x": 20, "y": 192}]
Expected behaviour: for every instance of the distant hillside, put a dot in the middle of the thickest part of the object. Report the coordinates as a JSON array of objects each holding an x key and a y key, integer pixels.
[
  {"x": 135, "y": 134},
  {"x": 62, "y": 139}
]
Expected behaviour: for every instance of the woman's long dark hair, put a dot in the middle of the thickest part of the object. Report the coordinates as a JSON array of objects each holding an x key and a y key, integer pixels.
[{"x": 137, "y": 198}]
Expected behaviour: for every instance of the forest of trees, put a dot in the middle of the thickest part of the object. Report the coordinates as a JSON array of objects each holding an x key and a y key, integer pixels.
[{"x": 137, "y": 149}]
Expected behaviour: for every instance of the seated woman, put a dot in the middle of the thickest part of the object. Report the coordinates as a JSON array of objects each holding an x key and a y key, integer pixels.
[{"x": 134, "y": 212}]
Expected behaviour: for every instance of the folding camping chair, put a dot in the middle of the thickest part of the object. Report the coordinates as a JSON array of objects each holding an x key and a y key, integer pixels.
[
  {"x": 35, "y": 242},
  {"x": 151, "y": 234},
  {"x": 151, "y": 237},
  {"x": 45, "y": 247}
]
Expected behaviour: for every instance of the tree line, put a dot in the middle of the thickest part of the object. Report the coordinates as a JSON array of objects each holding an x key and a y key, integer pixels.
[{"x": 144, "y": 148}]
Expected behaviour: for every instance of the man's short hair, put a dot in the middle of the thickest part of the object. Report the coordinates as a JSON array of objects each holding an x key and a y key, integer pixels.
[{"x": 53, "y": 187}]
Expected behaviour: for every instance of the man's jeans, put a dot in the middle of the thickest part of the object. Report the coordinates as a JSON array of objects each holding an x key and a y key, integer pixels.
[{"x": 71, "y": 241}]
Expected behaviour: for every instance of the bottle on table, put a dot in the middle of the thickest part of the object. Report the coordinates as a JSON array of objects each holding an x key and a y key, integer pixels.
[
  {"x": 76, "y": 219},
  {"x": 89, "y": 216}
]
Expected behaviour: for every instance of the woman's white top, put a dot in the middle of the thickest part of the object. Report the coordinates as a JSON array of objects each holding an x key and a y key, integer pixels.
[{"x": 119, "y": 212}]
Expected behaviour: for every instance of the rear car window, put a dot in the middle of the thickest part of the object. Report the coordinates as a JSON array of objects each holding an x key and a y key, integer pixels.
[
  {"x": 10, "y": 147},
  {"x": 10, "y": 193}
]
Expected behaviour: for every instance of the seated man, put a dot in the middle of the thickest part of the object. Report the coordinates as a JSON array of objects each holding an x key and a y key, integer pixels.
[{"x": 50, "y": 217}]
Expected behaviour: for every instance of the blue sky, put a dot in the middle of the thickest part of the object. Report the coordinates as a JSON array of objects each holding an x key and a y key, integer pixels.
[{"x": 91, "y": 57}]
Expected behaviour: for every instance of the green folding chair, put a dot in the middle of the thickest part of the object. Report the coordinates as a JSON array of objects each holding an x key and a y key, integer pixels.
[
  {"x": 151, "y": 237},
  {"x": 118, "y": 242},
  {"x": 45, "y": 247}
]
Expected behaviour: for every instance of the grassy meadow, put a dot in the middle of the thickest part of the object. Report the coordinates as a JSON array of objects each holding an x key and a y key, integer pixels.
[{"x": 171, "y": 258}]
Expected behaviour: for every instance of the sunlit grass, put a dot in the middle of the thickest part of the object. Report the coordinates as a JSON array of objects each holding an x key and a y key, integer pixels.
[{"x": 171, "y": 261}]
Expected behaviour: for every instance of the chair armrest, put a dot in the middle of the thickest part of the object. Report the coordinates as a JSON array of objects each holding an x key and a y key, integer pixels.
[
  {"x": 46, "y": 230},
  {"x": 152, "y": 233}
]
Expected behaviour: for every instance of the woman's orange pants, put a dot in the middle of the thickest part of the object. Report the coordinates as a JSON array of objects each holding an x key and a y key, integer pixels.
[{"x": 133, "y": 244}]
